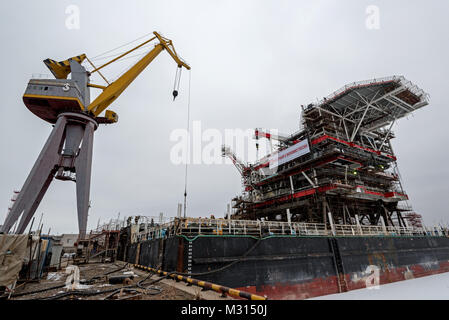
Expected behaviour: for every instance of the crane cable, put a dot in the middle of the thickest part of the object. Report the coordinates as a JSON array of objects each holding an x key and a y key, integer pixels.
[
  {"x": 102, "y": 55},
  {"x": 123, "y": 45},
  {"x": 131, "y": 64},
  {"x": 188, "y": 146},
  {"x": 145, "y": 47}
]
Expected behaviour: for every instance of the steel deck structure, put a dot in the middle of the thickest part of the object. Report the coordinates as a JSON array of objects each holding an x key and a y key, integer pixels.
[{"x": 349, "y": 174}]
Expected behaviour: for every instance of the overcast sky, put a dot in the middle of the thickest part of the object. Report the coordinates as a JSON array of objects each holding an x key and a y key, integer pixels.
[{"x": 253, "y": 64}]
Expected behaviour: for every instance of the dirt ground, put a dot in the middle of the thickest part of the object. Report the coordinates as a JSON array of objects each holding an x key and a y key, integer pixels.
[{"x": 100, "y": 288}]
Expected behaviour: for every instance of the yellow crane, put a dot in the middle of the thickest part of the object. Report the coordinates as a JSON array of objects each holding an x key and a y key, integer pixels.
[
  {"x": 67, "y": 154},
  {"x": 113, "y": 90}
]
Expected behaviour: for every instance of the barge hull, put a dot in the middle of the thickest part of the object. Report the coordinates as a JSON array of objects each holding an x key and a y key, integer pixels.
[{"x": 287, "y": 267}]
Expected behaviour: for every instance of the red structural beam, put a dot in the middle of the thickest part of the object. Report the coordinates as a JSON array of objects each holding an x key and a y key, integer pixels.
[
  {"x": 351, "y": 144},
  {"x": 311, "y": 167},
  {"x": 324, "y": 189}
]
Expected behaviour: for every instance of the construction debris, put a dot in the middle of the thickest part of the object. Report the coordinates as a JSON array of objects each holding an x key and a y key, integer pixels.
[{"x": 94, "y": 282}]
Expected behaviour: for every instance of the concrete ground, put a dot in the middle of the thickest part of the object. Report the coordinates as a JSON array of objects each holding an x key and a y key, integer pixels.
[
  {"x": 195, "y": 291},
  {"x": 101, "y": 289}
]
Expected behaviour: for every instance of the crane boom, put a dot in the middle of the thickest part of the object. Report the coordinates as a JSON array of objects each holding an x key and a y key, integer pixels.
[
  {"x": 260, "y": 133},
  {"x": 239, "y": 164},
  {"x": 113, "y": 91}
]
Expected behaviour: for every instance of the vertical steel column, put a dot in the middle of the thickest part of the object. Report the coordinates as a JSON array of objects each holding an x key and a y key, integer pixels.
[
  {"x": 83, "y": 167},
  {"x": 38, "y": 180}
]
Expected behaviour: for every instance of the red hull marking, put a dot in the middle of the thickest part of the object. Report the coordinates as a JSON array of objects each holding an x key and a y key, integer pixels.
[
  {"x": 299, "y": 291},
  {"x": 325, "y": 286}
]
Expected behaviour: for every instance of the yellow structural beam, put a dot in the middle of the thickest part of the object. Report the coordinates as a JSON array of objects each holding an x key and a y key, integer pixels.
[{"x": 113, "y": 90}]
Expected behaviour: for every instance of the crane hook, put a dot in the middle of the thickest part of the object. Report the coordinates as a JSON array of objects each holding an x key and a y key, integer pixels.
[{"x": 177, "y": 81}]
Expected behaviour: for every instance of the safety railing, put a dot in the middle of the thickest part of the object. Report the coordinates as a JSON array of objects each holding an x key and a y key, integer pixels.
[
  {"x": 399, "y": 79},
  {"x": 361, "y": 84},
  {"x": 192, "y": 227},
  {"x": 112, "y": 225},
  {"x": 42, "y": 76},
  {"x": 353, "y": 230},
  {"x": 224, "y": 227}
]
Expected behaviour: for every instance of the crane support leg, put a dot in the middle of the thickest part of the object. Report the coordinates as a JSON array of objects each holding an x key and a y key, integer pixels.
[
  {"x": 38, "y": 180},
  {"x": 83, "y": 165},
  {"x": 61, "y": 158}
]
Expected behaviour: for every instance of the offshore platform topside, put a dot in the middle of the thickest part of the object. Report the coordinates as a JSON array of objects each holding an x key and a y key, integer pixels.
[{"x": 340, "y": 165}]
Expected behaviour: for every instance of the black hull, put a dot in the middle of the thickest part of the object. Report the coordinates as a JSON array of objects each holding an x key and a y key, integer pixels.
[{"x": 284, "y": 267}]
